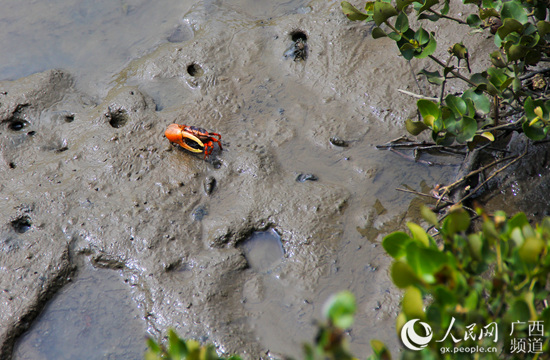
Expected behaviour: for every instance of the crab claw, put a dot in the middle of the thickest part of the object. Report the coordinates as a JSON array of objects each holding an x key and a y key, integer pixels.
[{"x": 176, "y": 134}]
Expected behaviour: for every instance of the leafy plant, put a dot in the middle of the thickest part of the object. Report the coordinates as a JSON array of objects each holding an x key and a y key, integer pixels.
[
  {"x": 471, "y": 281},
  {"x": 521, "y": 34},
  {"x": 180, "y": 349}
]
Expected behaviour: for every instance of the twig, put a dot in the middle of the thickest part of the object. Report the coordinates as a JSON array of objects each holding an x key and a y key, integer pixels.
[
  {"x": 439, "y": 62},
  {"x": 429, "y": 163},
  {"x": 447, "y": 189},
  {"x": 495, "y": 174},
  {"x": 531, "y": 74},
  {"x": 448, "y": 17},
  {"x": 424, "y": 194},
  {"x": 447, "y": 202},
  {"x": 499, "y": 127},
  {"x": 417, "y": 96},
  {"x": 421, "y": 145}
]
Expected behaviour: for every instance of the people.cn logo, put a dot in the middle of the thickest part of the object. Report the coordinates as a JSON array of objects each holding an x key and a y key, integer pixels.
[{"x": 411, "y": 339}]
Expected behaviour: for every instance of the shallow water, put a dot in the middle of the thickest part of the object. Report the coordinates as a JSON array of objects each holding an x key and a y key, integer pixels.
[
  {"x": 263, "y": 250},
  {"x": 94, "y": 312},
  {"x": 107, "y": 43}
]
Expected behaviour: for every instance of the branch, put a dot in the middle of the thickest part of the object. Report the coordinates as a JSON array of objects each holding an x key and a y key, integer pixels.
[{"x": 417, "y": 96}]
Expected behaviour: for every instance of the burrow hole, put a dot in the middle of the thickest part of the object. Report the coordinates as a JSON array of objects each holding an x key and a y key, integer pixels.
[
  {"x": 22, "y": 224},
  {"x": 117, "y": 118},
  {"x": 16, "y": 124},
  {"x": 195, "y": 70},
  {"x": 298, "y": 35}
]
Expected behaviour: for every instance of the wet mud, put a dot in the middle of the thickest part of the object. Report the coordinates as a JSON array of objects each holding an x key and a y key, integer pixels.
[{"x": 95, "y": 182}]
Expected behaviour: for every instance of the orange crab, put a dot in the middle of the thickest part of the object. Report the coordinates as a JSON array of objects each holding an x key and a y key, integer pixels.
[{"x": 192, "y": 137}]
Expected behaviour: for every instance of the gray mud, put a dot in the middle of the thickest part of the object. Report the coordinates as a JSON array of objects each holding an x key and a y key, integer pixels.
[{"x": 84, "y": 181}]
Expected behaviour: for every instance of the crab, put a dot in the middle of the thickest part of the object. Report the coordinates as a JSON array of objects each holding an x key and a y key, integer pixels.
[{"x": 193, "y": 138}]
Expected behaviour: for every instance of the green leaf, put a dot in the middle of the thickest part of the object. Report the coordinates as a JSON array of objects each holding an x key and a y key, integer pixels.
[
  {"x": 402, "y": 22},
  {"x": 352, "y": 13},
  {"x": 490, "y": 4},
  {"x": 177, "y": 348},
  {"x": 534, "y": 131},
  {"x": 394, "y": 36},
  {"x": 401, "y": 4},
  {"x": 429, "y": 216},
  {"x": 460, "y": 51},
  {"x": 429, "y": 49},
  {"x": 425, "y": 262},
  {"x": 480, "y": 100},
  {"x": 514, "y": 10},
  {"x": 473, "y": 20},
  {"x": 427, "y": 5},
  {"x": 340, "y": 309},
  {"x": 412, "y": 304},
  {"x": 402, "y": 275},
  {"x": 422, "y": 36},
  {"x": 378, "y": 33},
  {"x": 475, "y": 245},
  {"x": 532, "y": 57},
  {"x": 497, "y": 60},
  {"x": 429, "y": 110},
  {"x": 499, "y": 79},
  {"x": 518, "y": 221},
  {"x": 531, "y": 250},
  {"x": 396, "y": 243},
  {"x": 519, "y": 311},
  {"x": 468, "y": 129},
  {"x": 444, "y": 296},
  {"x": 415, "y": 127},
  {"x": 419, "y": 234},
  {"x": 153, "y": 346},
  {"x": 457, "y": 221},
  {"x": 509, "y": 26},
  {"x": 431, "y": 17},
  {"x": 433, "y": 77},
  {"x": 209, "y": 353},
  {"x": 446, "y": 7},
  {"x": 485, "y": 13},
  {"x": 380, "y": 350},
  {"x": 382, "y": 12},
  {"x": 471, "y": 301},
  {"x": 456, "y": 104},
  {"x": 543, "y": 28},
  {"x": 515, "y": 52}
]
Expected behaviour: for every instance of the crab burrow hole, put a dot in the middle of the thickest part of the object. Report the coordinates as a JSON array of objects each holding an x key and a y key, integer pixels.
[
  {"x": 263, "y": 250},
  {"x": 16, "y": 124},
  {"x": 22, "y": 224},
  {"x": 117, "y": 118},
  {"x": 195, "y": 70},
  {"x": 298, "y": 35}
]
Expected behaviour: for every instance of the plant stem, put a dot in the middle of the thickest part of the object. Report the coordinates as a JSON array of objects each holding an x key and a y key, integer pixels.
[
  {"x": 439, "y": 62},
  {"x": 448, "y": 17}
]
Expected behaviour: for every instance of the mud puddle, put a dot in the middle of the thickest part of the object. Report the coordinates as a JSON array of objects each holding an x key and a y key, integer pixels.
[
  {"x": 94, "y": 311},
  {"x": 263, "y": 250},
  {"x": 91, "y": 174}
]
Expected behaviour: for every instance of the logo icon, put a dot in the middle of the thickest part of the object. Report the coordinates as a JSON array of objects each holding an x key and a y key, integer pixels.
[{"x": 411, "y": 339}]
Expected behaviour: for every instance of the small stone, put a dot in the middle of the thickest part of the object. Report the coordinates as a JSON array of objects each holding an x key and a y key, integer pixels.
[
  {"x": 336, "y": 141},
  {"x": 306, "y": 177},
  {"x": 209, "y": 184}
]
